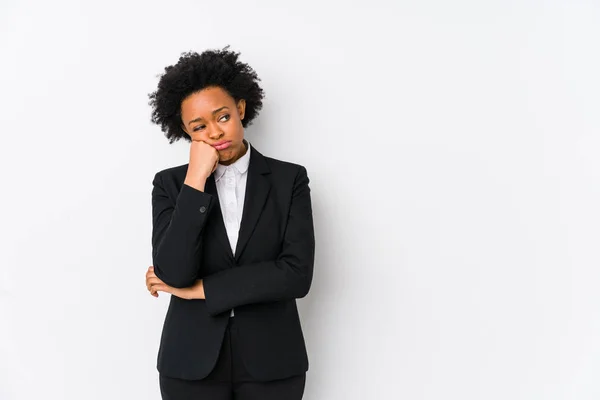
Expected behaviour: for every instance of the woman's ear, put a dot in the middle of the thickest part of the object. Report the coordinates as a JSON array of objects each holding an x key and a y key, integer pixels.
[{"x": 241, "y": 106}]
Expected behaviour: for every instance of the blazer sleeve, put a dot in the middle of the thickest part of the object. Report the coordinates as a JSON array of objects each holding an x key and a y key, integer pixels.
[
  {"x": 287, "y": 277},
  {"x": 176, "y": 233}
]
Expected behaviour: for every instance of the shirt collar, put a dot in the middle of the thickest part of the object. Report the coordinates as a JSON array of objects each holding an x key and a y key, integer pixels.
[{"x": 241, "y": 164}]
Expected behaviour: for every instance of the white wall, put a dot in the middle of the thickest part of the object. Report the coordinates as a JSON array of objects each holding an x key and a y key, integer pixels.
[{"x": 453, "y": 154}]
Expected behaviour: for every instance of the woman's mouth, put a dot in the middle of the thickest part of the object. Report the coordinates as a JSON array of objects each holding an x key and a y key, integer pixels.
[{"x": 222, "y": 145}]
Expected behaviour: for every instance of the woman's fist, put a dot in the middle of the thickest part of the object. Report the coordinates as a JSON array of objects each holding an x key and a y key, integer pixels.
[
  {"x": 155, "y": 285},
  {"x": 203, "y": 161}
]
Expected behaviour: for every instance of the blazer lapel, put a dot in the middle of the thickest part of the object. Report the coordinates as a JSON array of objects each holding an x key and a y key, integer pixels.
[
  {"x": 221, "y": 233},
  {"x": 257, "y": 190}
]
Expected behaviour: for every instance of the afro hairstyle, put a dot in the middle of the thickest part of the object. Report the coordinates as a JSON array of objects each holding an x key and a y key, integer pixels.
[{"x": 194, "y": 72}]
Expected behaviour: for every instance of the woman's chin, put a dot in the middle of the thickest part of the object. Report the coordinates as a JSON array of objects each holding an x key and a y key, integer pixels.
[
  {"x": 225, "y": 155},
  {"x": 229, "y": 155}
]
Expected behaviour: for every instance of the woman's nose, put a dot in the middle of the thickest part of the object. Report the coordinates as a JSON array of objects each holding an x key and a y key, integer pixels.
[{"x": 216, "y": 134}]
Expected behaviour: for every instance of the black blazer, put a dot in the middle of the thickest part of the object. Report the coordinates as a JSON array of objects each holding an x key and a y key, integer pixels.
[{"x": 272, "y": 267}]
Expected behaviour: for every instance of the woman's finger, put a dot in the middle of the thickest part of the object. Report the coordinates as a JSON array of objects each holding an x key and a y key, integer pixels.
[
  {"x": 152, "y": 281},
  {"x": 155, "y": 281},
  {"x": 152, "y": 287},
  {"x": 161, "y": 287}
]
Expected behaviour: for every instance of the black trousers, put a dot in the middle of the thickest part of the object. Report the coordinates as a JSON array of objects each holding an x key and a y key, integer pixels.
[{"x": 229, "y": 380}]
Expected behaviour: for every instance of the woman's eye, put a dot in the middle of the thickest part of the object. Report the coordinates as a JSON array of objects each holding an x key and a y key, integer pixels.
[{"x": 224, "y": 118}]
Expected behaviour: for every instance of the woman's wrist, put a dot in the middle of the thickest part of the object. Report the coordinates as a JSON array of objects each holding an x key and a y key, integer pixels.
[
  {"x": 199, "y": 290},
  {"x": 196, "y": 183}
]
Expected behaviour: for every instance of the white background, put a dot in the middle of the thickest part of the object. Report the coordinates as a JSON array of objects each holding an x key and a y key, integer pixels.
[{"x": 453, "y": 150}]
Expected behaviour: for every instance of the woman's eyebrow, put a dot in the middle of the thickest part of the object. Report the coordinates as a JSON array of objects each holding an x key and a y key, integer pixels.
[{"x": 213, "y": 113}]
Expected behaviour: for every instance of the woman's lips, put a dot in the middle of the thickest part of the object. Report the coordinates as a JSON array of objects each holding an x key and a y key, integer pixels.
[{"x": 222, "y": 146}]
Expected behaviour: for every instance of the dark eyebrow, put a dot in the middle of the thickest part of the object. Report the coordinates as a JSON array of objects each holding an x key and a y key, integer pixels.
[{"x": 213, "y": 113}]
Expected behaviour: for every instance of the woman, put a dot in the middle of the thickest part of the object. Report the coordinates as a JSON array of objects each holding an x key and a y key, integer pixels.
[{"x": 232, "y": 241}]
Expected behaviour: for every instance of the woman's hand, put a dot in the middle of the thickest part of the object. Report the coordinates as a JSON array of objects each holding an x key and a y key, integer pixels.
[
  {"x": 203, "y": 161},
  {"x": 155, "y": 285}
]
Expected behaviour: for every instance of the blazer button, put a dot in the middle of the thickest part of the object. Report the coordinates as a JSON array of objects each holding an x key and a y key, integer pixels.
[{"x": 202, "y": 209}]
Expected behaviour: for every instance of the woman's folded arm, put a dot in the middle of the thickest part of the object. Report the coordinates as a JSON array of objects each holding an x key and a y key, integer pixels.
[
  {"x": 287, "y": 277},
  {"x": 177, "y": 233}
]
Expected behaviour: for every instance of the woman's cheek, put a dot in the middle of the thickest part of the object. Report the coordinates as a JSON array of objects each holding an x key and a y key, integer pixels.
[{"x": 196, "y": 136}]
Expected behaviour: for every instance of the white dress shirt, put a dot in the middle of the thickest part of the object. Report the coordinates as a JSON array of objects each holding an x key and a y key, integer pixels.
[{"x": 231, "y": 188}]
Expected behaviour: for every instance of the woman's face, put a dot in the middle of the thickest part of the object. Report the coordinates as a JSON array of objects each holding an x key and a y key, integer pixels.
[{"x": 212, "y": 116}]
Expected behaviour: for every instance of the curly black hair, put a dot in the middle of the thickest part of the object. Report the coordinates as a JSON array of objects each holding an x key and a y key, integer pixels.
[{"x": 194, "y": 72}]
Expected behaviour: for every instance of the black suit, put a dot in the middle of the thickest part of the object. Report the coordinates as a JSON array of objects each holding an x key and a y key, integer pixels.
[{"x": 272, "y": 267}]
